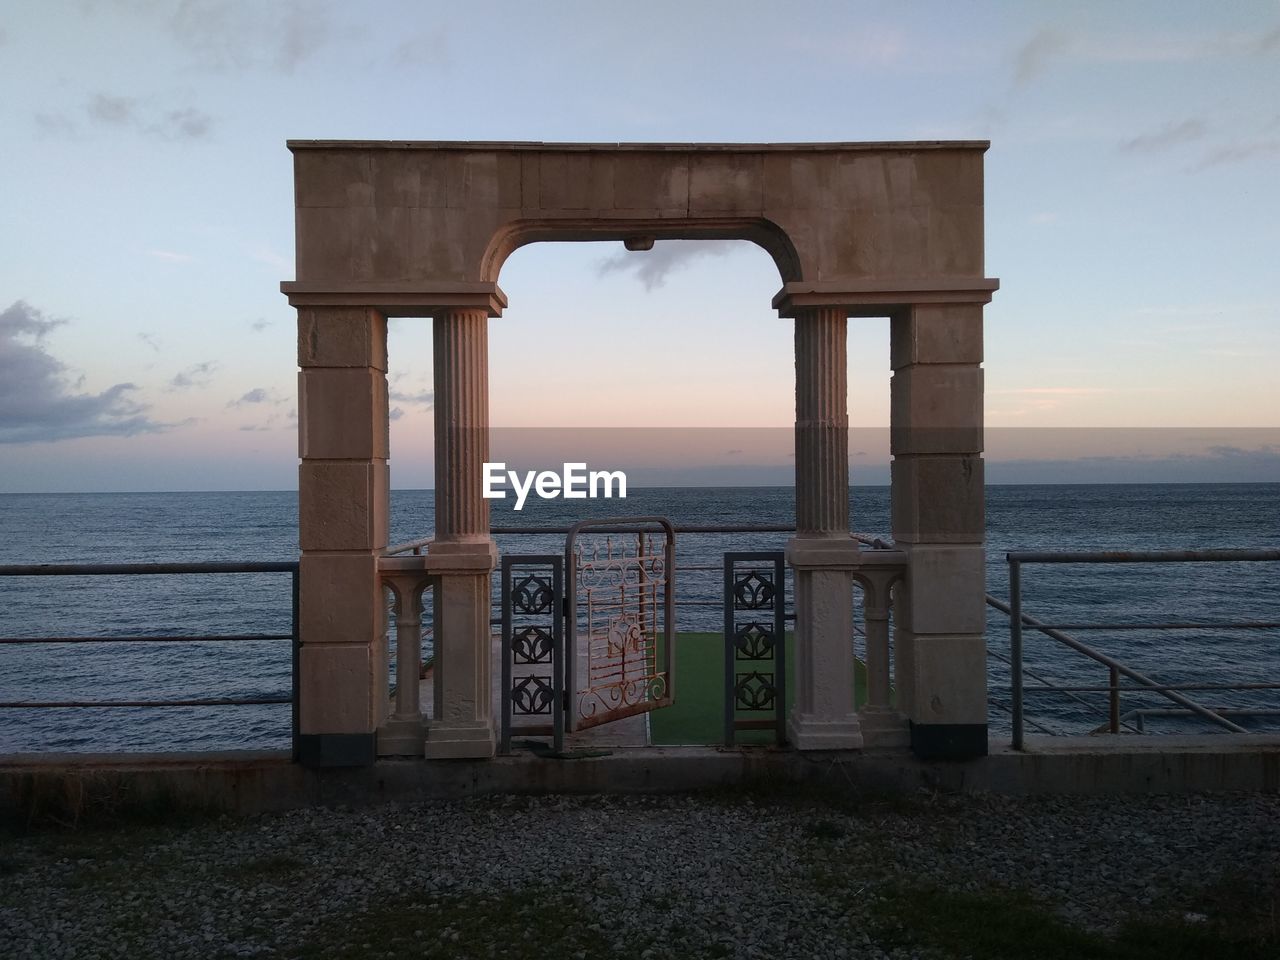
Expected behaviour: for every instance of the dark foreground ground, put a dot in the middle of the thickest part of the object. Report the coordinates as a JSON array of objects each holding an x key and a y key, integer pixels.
[{"x": 775, "y": 873}]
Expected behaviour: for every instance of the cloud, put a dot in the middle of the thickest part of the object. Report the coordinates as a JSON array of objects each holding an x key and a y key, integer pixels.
[
  {"x": 424, "y": 397},
  {"x": 1053, "y": 391},
  {"x": 1170, "y": 135},
  {"x": 224, "y": 36},
  {"x": 118, "y": 111},
  {"x": 37, "y": 403},
  {"x": 256, "y": 395},
  {"x": 1238, "y": 153},
  {"x": 396, "y": 413},
  {"x": 125, "y": 113},
  {"x": 151, "y": 340},
  {"x": 869, "y": 45},
  {"x": 197, "y": 375},
  {"x": 264, "y": 254},
  {"x": 1051, "y": 44},
  {"x": 1035, "y": 55},
  {"x": 652, "y": 267},
  {"x": 171, "y": 256},
  {"x": 186, "y": 123},
  {"x": 427, "y": 48},
  {"x": 55, "y": 125},
  {"x": 257, "y": 326}
]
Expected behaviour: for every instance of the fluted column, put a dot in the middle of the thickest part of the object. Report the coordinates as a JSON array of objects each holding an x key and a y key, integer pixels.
[
  {"x": 823, "y": 716},
  {"x": 461, "y": 360},
  {"x": 462, "y": 553},
  {"x": 822, "y": 423}
]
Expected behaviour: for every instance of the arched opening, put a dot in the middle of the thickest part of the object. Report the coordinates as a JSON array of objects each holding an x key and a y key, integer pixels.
[{"x": 853, "y": 230}]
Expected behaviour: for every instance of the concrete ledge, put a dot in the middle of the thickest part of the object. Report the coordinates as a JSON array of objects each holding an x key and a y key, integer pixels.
[{"x": 247, "y": 783}]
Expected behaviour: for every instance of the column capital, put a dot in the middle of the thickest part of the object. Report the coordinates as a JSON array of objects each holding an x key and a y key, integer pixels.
[
  {"x": 875, "y": 298},
  {"x": 401, "y": 298}
]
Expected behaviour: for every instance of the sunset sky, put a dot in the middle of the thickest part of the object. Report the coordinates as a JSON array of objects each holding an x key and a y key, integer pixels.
[{"x": 1132, "y": 217}]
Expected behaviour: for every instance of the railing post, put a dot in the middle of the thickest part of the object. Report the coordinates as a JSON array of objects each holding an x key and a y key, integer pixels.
[
  {"x": 1115, "y": 700},
  {"x": 1015, "y": 650},
  {"x": 295, "y": 642}
]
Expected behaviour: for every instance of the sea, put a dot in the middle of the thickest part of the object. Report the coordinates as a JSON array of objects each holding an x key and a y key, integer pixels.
[{"x": 257, "y": 526}]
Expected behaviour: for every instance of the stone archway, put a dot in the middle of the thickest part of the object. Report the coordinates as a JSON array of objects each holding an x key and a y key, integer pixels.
[{"x": 394, "y": 228}]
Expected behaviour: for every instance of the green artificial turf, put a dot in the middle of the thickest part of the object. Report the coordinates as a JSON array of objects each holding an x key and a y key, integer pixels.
[{"x": 697, "y": 716}]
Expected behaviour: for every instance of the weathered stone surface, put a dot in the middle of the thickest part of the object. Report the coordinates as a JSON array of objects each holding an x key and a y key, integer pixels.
[
  {"x": 936, "y": 333},
  {"x": 343, "y": 505},
  {"x": 342, "y": 414},
  {"x": 950, "y": 680},
  {"x": 340, "y": 598},
  {"x": 848, "y": 211},
  {"x": 938, "y": 499},
  {"x": 337, "y": 689},
  {"x": 946, "y": 589},
  {"x": 936, "y": 408},
  {"x": 342, "y": 337}
]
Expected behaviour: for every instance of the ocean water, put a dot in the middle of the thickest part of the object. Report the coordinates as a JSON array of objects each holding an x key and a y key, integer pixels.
[{"x": 191, "y": 527}]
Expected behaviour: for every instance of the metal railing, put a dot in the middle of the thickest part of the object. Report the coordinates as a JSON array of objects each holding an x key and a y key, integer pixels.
[
  {"x": 1140, "y": 682},
  {"x": 165, "y": 569}
]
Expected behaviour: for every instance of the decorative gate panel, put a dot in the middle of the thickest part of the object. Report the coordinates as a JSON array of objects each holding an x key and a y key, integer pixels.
[
  {"x": 621, "y": 622},
  {"x": 755, "y": 663},
  {"x": 532, "y": 647}
]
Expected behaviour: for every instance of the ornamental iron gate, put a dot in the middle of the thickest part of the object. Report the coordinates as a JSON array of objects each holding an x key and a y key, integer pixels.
[
  {"x": 533, "y": 647},
  {"x": 755, "y": 663},
  {"x": 621, "y": 595}
]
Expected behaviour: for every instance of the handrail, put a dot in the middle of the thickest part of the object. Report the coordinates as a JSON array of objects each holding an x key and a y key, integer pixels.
[
  {"x": 159, "y": 569},
  {"x": 1017, "y": 619},
  {"x": 134, "y": 569},
  {"x": 415, "y": 546},
  {"x": 1110, "y": 662}
]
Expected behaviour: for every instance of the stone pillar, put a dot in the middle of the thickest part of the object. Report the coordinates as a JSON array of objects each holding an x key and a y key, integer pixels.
[
  {"x": 938, "y": 520},
  {"x": 343, "y": 492},
  {"x": 822, "y": 424},
  {"x": 462, "y": 554},
  {"x": 461, "y": 359},
  {"x": 824, "y": 716}
]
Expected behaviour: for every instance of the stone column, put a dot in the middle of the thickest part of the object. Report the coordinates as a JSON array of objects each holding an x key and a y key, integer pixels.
[
  {"x": 824, "y": 715},
  {"x": 938, "y": 519},
  {"x": 343, "y": 492},
  {"x": 461, "y": 359},
  {"x": 462, "y": 554},
  {"x": 822, "y": 424}
]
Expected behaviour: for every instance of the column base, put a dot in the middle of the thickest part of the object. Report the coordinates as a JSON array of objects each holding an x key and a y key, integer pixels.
[
  {"x": 401, "y": 738},
  {"x": 884, "y": 729},
  {"x": 949, "y": 741},
  {"x": 337, "y": 749},
  {"x": 813, "y": 733},
  {"x": 460, "y": 741}
]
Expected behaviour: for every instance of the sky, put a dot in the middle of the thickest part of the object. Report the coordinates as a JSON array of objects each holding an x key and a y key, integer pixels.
[{"x": 146, "y": 222}]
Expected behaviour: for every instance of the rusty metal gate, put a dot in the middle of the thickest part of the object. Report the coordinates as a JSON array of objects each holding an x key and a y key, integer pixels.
[{"x": 620, "y": 618}]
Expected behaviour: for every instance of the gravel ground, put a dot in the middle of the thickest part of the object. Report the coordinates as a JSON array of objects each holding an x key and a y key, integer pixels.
[{"x": 728, "y": 875}]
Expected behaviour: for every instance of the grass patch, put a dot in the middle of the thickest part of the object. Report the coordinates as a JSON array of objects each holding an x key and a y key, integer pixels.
[
  {"x": 533, "y": 921},
  {"x": 1010, "y": 925},
  {"x": 697, "y": 716}
]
